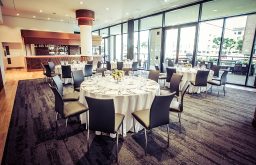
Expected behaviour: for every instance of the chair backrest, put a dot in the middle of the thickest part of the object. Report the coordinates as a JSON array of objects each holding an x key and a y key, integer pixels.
[
  {"x": 58, "y": 84},
  {"x": 238, "y": 67},
  {"x": 120, "y": 65},
  {"x": 164, "y": 67},
  {"x": 223, "y": 79},
  {"x": 159, "y": 111},
  {"x": 101, "y": 114},
  {"x": 170, "y": 63},
  {"x": 48, "y": 71},
  {"x": 153, "y": 75},
  {"x": 126, "y": 71},
  {"x": 169, "y": 74},
  {"x": 59, "y": 104},
  {"x": 201, "y": 77},
  {"x": 108, "y": 65},
  {"x": 183, "y": 92},
  {"x": 66, "y": 71},
  {"x": 99, "y": 64},
  {"x": 51, "y": 65},
  {"x": 134, "y": 66},
  {"x": 216, "y": 70},
  {"x": 157, "y": 67},
  {"x": 78, "y": 78},
  {"x": 88, "y": 70},
  {"x": 90, "y": 62},
  {"x": 175, "y": 83}
]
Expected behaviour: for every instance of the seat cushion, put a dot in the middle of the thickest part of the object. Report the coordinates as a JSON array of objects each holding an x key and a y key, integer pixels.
[
  {"x": 77, "y": 89},
  {"x": 74, "y": 108},
  {"x": 214, "y": 82},
  {"x": 142, "y": 117},
  {"x": 118, "y": 120},
  {"x": 165, "y": 91},
  {"x": 72, "y": 96},
  {"x": 175, "y": 106}
]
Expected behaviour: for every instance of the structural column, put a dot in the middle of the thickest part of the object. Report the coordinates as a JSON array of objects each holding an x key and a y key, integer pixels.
[{"x": 85, "y": 20}]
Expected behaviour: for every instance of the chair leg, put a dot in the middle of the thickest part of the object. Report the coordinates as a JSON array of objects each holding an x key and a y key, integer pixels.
[
  {"x": 117, "y": 147},
  {"x": 122, "y": 129},
  {"x": 179, "y": 117},
  {"x": 168, "y": 135},
  {"x": 56, "y": 123},
  {"x": 218, "y": 90},
  {"x": 224, "y": 90},
  {"x": 146, "y": 141}
]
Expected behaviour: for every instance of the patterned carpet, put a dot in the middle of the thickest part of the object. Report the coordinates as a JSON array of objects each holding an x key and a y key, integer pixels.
[{"x": 215, "y": 130}]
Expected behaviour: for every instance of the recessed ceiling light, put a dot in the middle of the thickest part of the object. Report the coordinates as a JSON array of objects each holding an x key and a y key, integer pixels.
[
  {"x": 34, "y": 16},
  {"x": 40, "y": 11},
  {"x": 18, "y": 14},
  {"x": 66, "y": 15},
  {"x": 81, "y": 2},
  {"x": 214, "y": 10},
  {"x": 166, "y": 0},
  {"x": 107, "y": 8},
  {"x": 126, "y": 13},
  {"x": 48, "y": 18},
  {"x": 61, "y": 20}
]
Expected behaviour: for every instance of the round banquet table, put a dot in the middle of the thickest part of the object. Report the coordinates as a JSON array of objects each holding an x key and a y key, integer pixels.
[
  {"x": 73, "y": 68},
  {"x": 126, "y": 64},
  {"x": 189, "y": 74},
  {"x": 131, "y": 94}
]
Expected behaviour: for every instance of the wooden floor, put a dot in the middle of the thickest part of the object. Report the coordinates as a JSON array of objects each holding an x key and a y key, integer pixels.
[{"x": 7, "y": 96}]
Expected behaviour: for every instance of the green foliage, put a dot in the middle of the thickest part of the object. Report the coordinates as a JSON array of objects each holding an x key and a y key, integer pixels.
[
  {"x": 228, "y": 43},
  {"x": 239, "y": 45}
]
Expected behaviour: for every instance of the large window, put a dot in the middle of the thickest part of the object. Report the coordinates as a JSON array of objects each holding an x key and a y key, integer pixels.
[
  {"x": 209, "y": 41},
  {"x": 151, "y": 22},
  {"x": 144, "y": 46}
]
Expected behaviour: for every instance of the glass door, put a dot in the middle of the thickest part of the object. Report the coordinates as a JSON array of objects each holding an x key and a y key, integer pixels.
[{"x": 179, "y": 44}]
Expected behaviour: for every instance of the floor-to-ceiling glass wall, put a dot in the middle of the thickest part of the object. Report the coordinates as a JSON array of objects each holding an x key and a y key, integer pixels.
[
  {"x": 180, "y": 35},
  {"x": 125, "y": 30},
  {"x": 115, "y": 43},
  {"x": 104, "y": 33}
]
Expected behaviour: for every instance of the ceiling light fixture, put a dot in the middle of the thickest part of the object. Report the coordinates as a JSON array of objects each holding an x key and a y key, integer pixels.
[
  {"x": 18, "y": 14},
  {"x": 214, "y": 10},
  {"x": 126, "y": 13},
  {"x": 40, "y": 11},
  {"x": 34, "y": 16},
  {"x": 66, "y": 15},
  {"x": 48, "y": 18},
  {"x": 81, "y": 2},
  {"x": 61, "y": 20},
  {"x": 107, "y": 8}
]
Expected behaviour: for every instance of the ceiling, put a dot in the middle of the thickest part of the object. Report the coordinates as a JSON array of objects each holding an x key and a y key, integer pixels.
[{"x": 107, "y": 12}]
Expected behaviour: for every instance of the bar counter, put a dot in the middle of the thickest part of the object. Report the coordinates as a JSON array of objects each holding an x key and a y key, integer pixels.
[{"x": 33, "y": 63}]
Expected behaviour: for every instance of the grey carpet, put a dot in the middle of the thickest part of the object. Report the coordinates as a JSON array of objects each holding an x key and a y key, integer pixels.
[{"x": 215, "y": 130}]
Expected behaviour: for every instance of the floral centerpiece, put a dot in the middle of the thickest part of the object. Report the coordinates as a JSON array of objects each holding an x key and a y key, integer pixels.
[
  {"x": 188, "y": 65},
  {"x": 117, "y": 74}
]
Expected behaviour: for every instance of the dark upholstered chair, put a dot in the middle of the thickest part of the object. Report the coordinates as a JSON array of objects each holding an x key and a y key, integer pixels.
[
  {"x": 66, "y": 71},
  {"x": 101, "y": 70},
  {"x": 157, "y": 67},
  {"x": 135, "y": 66},
  {"x": 72, "y": 96},
  {"x": 220, "y": 82},
  {"x": 238, "y": 69},
  {"x": 88, "y": 70},
  {"x": 177, "y": 106},
  {"x": 108, "y": 65},
  {"x": 216, "y": 70},
  {"x": 169, "y": 73},
  {"x": 174, "y": 85},
  {"x": 153, "y": 75},
  {"x": 66, "y": 110},
  {"x": 120, "y": 65},
  {"x": 201, "y": 79},
  {"x": 102, "y": 117},
  {"x": 156, "y": 116},
  {"x": 126, "y": 71},
  {"x": 78, "y": 78},
  {"x": 99, "y": 64},
  {"x": 48, "y": 72}
]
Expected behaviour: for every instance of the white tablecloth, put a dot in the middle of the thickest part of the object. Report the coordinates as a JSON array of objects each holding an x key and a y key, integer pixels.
[
  {"x": 73, "y": 68},
  {"x": 189, "y": 74},
  {"x": 131, "y": 94},
  {"x": 125, "y": 64}
]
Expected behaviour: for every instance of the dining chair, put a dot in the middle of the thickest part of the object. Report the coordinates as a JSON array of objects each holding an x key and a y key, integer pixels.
[
  {"x": 176, "y": 106},
  {"x": 134, "y": 66},
  {"x": 169, "y": 73},
  {"x": 126, "y": 71},
  {"x": 88, "y": 70},
  {"x": 66, "y": 110},
  {"x": 108, "y": 65},
  {"x": 48, "y": 72},
  {"x": 174, "y": 85},
  {"x": 101, "y": 70},
  {"x": 153, "y": 75},
  {"x": 220, "y": 82},
  {"x": 216, "y": 70},
  {"x": 66, "y": 71},
  {"x": 201, "y": 79},
  {"x": 90, "y": 62},
  {"x": 156, "y": 116},
  {"x": 120, "y": 65},
  {"x": 78, "y": 78},
  {"x": 99, "y": 64},
  {"x": 102, "y": 117},
  {"x": 71, "y": 96}
]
